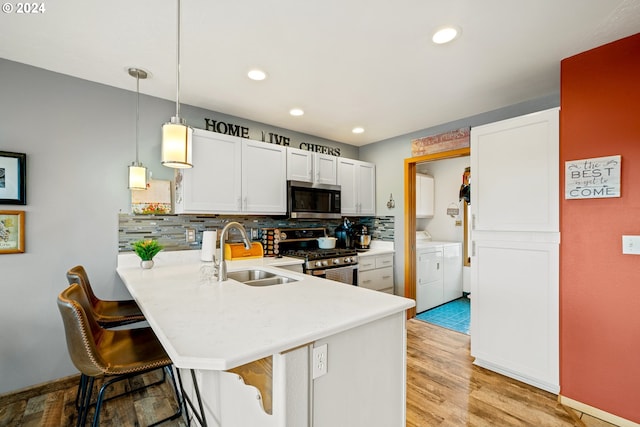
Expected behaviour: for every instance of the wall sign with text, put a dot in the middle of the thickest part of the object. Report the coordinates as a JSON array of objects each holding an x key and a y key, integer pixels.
[{"x": 595, "y": 178}]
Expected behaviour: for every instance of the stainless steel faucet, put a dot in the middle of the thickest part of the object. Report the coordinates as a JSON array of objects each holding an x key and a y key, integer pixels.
[{"x": 222, "y": 269}]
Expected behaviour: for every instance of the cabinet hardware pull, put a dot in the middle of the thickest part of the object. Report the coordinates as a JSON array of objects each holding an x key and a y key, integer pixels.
[
  {"x": 366, "y": 281},
  {"x": 385, "y": 277},
  {"x": 473, "y": 221}
]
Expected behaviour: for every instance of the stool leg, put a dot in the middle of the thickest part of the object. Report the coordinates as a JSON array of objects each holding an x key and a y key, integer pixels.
[{"x": 85, "y": 398}]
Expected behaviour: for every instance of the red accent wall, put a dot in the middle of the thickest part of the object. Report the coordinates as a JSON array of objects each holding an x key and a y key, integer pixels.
[{"x": 599, "y": 286}]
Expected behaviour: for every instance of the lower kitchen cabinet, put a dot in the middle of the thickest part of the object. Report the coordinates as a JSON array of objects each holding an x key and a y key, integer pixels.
[
  {"x": 439, "y": 274},
  {"x": 376, "y": 272}
]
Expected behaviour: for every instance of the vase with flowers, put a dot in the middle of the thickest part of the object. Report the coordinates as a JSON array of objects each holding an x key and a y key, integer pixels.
[{"x": 146, "y": 250}]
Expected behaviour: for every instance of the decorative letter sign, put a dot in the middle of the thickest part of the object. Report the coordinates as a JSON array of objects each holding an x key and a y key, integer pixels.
[{"x": 596, "y": 178}]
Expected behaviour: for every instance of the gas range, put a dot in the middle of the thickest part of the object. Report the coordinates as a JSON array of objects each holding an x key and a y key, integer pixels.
[
  {"x": 302, "y": 243},
  {"x": 324, "y": 258}
]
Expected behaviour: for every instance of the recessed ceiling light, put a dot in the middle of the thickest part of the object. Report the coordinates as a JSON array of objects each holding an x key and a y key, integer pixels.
[
  {"x": 357, "y": 130},
  {"x": 257, "y": 75},
  {"x": 296, "y": 112},
  {"x": 445, "y": 35}
]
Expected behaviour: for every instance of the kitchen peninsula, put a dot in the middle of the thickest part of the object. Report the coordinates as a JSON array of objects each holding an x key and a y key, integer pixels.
[{"x": 209, "y": 327}]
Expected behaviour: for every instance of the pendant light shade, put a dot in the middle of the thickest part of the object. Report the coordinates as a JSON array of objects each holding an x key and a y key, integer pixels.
[
  {"x": 176, "y": 135},
  {"x": 137, "y": 172},
  {"x": 137, "y": 177},
  {"x": 176, "y": 144}
]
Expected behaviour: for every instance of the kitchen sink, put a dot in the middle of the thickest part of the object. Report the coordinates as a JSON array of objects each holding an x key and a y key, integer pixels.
[{"x": 259, "y": 278}]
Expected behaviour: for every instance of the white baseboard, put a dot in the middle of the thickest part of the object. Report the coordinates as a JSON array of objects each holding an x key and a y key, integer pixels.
[{"x": 595, "y": 412}]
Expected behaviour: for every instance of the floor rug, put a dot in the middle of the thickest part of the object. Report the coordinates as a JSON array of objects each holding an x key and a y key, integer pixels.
[{"x": 454, "y": 315}]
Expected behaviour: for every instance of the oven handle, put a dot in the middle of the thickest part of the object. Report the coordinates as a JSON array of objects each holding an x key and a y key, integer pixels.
[{"x": 324, "y": 271}]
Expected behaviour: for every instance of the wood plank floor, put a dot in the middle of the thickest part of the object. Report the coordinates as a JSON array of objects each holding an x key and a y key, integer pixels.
[{"x": 443, "y": 389}]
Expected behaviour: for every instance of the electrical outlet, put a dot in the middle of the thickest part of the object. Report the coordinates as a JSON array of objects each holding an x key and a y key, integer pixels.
[
  {"x": 190, "y": 235},
  {"x": 319, "y": 361}
]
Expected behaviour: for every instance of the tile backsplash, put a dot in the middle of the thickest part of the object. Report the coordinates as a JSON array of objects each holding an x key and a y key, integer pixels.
[{"x": 170, "y": 230}]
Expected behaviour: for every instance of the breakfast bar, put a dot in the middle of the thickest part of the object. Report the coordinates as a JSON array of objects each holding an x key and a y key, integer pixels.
[{"x": 337, "y": 351}]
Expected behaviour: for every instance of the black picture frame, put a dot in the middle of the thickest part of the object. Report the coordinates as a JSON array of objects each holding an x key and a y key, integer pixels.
[{"x": 13, "y": 178}]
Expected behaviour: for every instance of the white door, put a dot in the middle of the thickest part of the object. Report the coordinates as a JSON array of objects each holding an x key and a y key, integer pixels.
[{"x": 514, "y": 254}]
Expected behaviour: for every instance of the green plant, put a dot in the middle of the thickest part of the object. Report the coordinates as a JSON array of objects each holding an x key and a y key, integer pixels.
[{"x": 146, "y": 249}]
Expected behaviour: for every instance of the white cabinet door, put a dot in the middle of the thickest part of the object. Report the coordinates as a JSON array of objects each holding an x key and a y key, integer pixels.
[
  {"x": 358, "y": 182},
  {"x": 429, "y": 278},
  {"x": 300, "y": 165},
  {"x": 347, "y": 181},
  {"x": 264, "y": 178},
  {"x": 214, "y": 182},
  {"x": 515, "y": 174},
  {"x": 424, "y": 196},
  {"x": 515, "y": 248},
  {"x": 366, "y": 188},
  {"x": 326, "y": 169}
]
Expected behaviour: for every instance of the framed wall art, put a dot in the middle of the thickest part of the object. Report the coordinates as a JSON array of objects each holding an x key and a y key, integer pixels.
[
  {"x": 11, "y": 232},
  {"x": 13, "y": 178}
]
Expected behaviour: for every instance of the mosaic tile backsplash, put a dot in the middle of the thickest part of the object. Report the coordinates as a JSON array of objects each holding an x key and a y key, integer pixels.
[{"x": 170, "y": 230}]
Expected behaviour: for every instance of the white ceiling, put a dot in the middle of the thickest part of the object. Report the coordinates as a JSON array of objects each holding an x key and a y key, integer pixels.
[{"x": 347, "y": 63}]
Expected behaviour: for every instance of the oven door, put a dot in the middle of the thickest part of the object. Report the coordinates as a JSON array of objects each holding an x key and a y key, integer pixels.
[{"x": 347, "y": 274}]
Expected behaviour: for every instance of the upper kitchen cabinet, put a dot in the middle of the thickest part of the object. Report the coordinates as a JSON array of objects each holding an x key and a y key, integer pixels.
[
  {"x": 264, "y": 178},
  {"x": 308, "y": 166},
  {"x": 232, "y": 175},
  {"x": 424, "y": 196},
  {"x": 358, "y": 182}
]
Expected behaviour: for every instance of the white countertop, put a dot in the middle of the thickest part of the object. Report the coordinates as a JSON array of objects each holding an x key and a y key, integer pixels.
[
  {"x": 218, "y": 326},
  {"x": 378, "y": 247}
]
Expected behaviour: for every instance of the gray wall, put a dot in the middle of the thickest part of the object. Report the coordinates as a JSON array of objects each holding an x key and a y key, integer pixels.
[
  {"x": 79, "y": 139},
  {"x": 389, "y": 155}
]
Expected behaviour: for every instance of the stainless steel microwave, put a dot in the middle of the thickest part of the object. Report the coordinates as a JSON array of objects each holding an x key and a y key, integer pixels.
[{"x": 308, "y": 200}]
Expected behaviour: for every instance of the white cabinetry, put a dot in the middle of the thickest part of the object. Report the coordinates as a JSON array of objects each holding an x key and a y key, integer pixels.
[
  {"x": 308, "y": 166},
  {"x": 232, "y": 175},
  {"x": 439, "y": 274},
  {"x": 515, "y": 249},
  {"x": 424, "y": 196},
  {"x": 358, "y": 182},
  {"x": 264, "y": 179},
  {"x": 376, "y": 272}
]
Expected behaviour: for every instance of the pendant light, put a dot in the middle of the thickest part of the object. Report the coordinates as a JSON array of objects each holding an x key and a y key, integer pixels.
[
  {"x": 176, "y": 135},
  {"x": 137, "y": 172}
]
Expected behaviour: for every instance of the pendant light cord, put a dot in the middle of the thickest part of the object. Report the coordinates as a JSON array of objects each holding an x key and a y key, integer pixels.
[
  {"x": 137, "y": 115},
  {"x": 178, "y": 64}
]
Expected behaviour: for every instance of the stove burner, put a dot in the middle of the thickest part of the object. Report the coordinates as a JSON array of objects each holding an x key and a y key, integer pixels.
[{"x": 315, "y": 254}]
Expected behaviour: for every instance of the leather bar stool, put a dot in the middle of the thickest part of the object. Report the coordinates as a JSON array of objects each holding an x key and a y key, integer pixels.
[
  {"x": 115, "y": 354},
  {"x": 108, "y": 313}
]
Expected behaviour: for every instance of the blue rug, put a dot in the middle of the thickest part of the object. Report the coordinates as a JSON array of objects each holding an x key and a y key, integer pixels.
[{"x": 454, "y": 315}]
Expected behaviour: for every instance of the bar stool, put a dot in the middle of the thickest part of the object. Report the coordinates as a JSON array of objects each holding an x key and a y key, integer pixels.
[
  {"x": 116, "y": 354},
  {"x": 108, "y": 314}
]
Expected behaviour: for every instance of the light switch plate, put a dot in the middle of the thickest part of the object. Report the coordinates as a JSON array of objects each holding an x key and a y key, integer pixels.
[{"x": 631, "y": 245}]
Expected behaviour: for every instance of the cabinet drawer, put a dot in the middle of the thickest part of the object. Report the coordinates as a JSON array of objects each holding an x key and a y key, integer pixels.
[
  {"x": 376, "y": 279},
  {"x": 384, "y": 261},
  {"x": 366, "y": 263}
]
